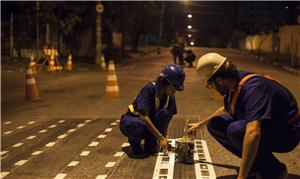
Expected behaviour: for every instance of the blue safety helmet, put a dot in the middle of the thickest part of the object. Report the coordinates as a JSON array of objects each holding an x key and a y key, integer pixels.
[{"x": 175, "y": 75}]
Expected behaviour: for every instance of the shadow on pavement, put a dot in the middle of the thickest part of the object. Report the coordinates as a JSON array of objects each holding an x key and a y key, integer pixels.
[{"x": 129, "y": 153}]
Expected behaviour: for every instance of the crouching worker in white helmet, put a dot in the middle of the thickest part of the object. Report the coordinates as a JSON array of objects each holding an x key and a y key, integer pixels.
[{"x": 260, "y": 116}]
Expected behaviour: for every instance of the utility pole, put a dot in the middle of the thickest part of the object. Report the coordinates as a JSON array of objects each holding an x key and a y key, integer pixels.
[
  {"x": 162, "y": 11},
  {"x": 99, "y": 11}
]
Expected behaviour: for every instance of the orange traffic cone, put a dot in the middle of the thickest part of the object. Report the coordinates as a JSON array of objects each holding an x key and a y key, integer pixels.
[
  {"x": 31, "y": 91},
  {"x": 112, "y": 88},
  {"x": 32, "y": 64},
  {"x": 102, "y": 62},
  {"x": 69, "y": 63},
  {"x": 51, "y": 66}
]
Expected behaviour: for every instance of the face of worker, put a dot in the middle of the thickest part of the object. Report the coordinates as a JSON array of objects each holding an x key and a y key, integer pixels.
[
  {"x": 169, "y": 90},
  {"x": 221, "y": 85}
]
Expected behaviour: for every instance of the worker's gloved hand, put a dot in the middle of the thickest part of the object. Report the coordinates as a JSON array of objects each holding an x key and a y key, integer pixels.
[{"x": 163, "y": 144}]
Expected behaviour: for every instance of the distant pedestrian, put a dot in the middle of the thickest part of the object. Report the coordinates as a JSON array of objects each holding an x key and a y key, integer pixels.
[
  {"x": 177, "y": 52},
  {"x": 190, "y": 57}
]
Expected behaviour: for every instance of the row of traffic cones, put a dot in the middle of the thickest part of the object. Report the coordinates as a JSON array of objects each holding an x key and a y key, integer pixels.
[{"x": 32, "y": 93}]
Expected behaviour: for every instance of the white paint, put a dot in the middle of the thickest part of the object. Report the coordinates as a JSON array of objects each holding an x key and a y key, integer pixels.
[
  {"x": 113, "y": 124},
  {"x": 85, "y": 153},
  {"x": 52, "y": 126},
  {"x": 8, "y": 132},
  {"x": 43, "y": 131},
  {"x": 3, "y": 174},
  {"x": 61, "y": 121},
  {"x": 3, "y": 152},
  {"x": 80, "y": 125},
  {"x": 21, "y": 162},
  {"x": 110, "y": 164},
  {"x": 206, "y": 165},
  {"x": 88, "y": 120},
  {"x": 60, "y": 176},
  {"x": 101, "y": 177},
  {"x": 93, "y": 144},
  {"x": 118, "y": 120},
  {"x": 31, "y": 137},
  {"x": 18, "y": 144},
  {"x": 7, "y": 122},
  {"x": 119, "y": 154},
  {"x": 125, "y": 144},
  {"x": 20, "y": 127},
  {"x": 50, "y": 144},
  {"x": 73, "y": 163},
  {"x": 31, "y": 122},
  {"x": 62, "y": 136},
  {"x": 108, "y": 130},
  {"x": 36, "y": 152},
  {"x": 101, "y": 136},
  {"x": 71, "y": 130}
]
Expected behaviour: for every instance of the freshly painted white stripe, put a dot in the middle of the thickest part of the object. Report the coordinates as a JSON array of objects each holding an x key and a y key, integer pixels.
[
  {"x": 21, "y": 162},
  {"x": 20, "y": 127},
  {"x": 119, "y": 154},
  {"x": 8, "y": 132},
  {"x": 50, "y": 144},
  {"x": 61, "y": 121},
  {"x": 31, "y": 137},
  {"x": 60, "y": 176},
  {"x": 101, "y": 177},
  {"x": 112, "y": 88},
  {"x": 110, "y": 164},
  {"x": 71, "y": 130},
  {"x": 3, "y": 174},
  {"x": 113, "y": 124},
  {"x": 31, "y": 122},
  {"x": 205, "y": 169},
  {"x": 80, "y": 125},
  {"x": 36, "y": 152},
  {"x": 88, "y": 120},
  {"x": 93, "y": 144},
  {"x": 52, "y": 126},
  {"x": 7, "y": 122},
  {"x": 101, "y": 136},
  {"x": 43, "y": 131},
  {"x": 118, "y": 120},
  {"x": 112, "y": 78},
  {"x": 166, "y": 164},
  {"x": 73, "y": 163},
  {"x": 85, "y": 153},
  {"x": 125, "y": 144},
  {"x": 108, "y": 130},
  {"x": 62, "y": 136},
  {"x": 18, "y": 144},
  {"x": 3, "y": 152}
]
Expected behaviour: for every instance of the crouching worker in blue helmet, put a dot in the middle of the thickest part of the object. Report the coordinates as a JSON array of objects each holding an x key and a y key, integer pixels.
[{"x": 150, "y": 113}]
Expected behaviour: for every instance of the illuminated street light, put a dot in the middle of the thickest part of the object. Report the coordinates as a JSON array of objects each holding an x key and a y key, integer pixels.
[
  {"x": 189, "y": 16},
  {"x": 189, "y": 26},
  {"x": 192, "y": 43},
  {"x": 189, "y": 35}
]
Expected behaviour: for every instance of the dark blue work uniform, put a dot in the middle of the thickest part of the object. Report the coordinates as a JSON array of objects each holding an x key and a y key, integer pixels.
[
  {"x": 271, "y": 103},
  {"x": 159, "y": 109}
]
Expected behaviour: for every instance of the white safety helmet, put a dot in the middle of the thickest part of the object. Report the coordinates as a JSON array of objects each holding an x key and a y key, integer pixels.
[{"x": 208, "y": 65}]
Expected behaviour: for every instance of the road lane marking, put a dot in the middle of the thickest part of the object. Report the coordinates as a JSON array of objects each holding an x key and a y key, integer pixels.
[
  {"x": 119, "y": 154},
  {"x": 101, "y": 136},
  {"x": 93, "y": 144},
  {"x": 125, "y": 145},
  {"x": 85, "y": 153},
  {"x": 18, "y": 144},
  {"x": 3, "y": 174},
  {"x": 61, "y": 121},
  {"x": 108, "y": 130},
  {"x": 7, "y": 122},
  {"x": 118, "y": 120},
  {"x": 71, "y": 130},
  {"x": 31, "y": 137},
  {"x": 203, "y": 168},
  {"x": 21, "y": 162},
  {"x": 8, "y": 132},
  {"x": 31, "y": 122},
  {"x": 43, "y": 131},
  {"x": 73, "y": 163},
  {"x": 60, "y": 176},
  {"x": 113, "y": 124},
  {"x": 101, "y": 177},
  {"x": 36, "y": 152},
  {"x": 164, "y": 167},
  {"x": 110, "y": 164},
  {"x": 80, "y": 125},
  {"x": 62, "y": 136},
  {"x": 88, "y": 120},
  {"x": 50, "y": 144},
  {"x": 20, "y": 127},
  {"x": 4, "y": 152},
  {"x": 52, "y": 126}
]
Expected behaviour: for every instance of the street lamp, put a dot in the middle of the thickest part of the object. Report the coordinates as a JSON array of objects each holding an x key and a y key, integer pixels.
[
  {"x": 192, "y": 43},
  {"x": 189, "y": 35},
  {"x": 189, "y": 26},
  {"x": 189, "y": 16}
]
